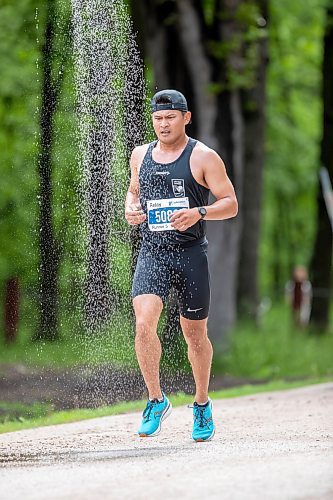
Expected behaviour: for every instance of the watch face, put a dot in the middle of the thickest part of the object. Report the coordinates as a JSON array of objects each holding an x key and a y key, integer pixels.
[{"x": 202, "y": 211}]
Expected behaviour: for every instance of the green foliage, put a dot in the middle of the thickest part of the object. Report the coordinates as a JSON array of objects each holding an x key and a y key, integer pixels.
[
  {"x": 241, "y": 51},
  {"x": 20, "y": 412},
  {"x": 18, "y": 100},
  {"x": 293, "y": 136},
  {"x": 276, "y": 349},
  {"x": 209, "y": 11}
]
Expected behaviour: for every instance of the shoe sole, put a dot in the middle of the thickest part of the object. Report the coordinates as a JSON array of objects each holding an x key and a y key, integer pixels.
[
  {"x": 200, "y": 440},
  {"x": 165, "y": 414}
]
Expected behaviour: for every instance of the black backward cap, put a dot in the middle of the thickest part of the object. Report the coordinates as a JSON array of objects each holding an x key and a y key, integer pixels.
[{"x": 172, "y": 100}]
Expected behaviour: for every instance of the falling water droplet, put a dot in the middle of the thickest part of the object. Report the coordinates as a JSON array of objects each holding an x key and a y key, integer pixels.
[{"x": 109, "y": 83}]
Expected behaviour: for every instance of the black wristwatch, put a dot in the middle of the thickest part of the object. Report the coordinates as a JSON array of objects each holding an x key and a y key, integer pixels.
[{"x": 202, "y": 211}]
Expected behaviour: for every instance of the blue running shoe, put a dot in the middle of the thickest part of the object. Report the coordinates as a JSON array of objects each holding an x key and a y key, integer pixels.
[
  {"x": 154, "y": 414},
  {"x": 203, "y": 425}
]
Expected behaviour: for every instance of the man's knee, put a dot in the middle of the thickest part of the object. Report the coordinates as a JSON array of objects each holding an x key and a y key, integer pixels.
[
  {"x": 195, "y": 333},
  {"x": 193, "y": 329},
  {"x": 147, "y": 312},
  {"x": 144, "y": 327},
  {"x": 147, "y": 306},
  {"x": 196, "y": 340}
]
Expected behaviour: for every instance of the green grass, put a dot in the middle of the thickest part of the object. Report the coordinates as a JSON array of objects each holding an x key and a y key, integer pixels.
[
  {"x": 276, "y": 350},
  {"x": 115, "y": 344},
  {"x": 20, "y": 412},
  {"x": 62, "y": 417}
]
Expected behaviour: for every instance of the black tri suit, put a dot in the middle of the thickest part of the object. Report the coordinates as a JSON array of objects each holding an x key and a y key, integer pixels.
[{"x": 170, "y": 258}]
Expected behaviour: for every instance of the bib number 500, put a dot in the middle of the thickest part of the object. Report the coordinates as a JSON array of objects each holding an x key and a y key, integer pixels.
[
  {"x": 164, "y": 215},
  {"x": 160, "y": 212}
]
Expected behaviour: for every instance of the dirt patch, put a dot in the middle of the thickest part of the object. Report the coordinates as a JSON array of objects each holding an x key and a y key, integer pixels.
[{"x": 91, "y": 387}]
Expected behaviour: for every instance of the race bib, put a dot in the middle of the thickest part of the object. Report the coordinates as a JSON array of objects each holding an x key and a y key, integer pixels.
[{"x": 160, "y": 211}]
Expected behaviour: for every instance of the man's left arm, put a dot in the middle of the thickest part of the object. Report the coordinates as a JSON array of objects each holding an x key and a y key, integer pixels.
[{"x": 218, "y": 182}]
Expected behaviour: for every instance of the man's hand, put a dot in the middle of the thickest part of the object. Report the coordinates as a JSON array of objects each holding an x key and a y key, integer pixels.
[
  {"x": 134, "y": 215},
  {"x": 184, "y": 218}
]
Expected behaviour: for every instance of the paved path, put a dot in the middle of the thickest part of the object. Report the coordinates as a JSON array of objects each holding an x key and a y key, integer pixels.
[{"x": 268, "y": 446}]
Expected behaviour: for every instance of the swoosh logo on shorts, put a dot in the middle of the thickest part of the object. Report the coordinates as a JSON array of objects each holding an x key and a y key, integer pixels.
[{"x": 194, "y": 310}]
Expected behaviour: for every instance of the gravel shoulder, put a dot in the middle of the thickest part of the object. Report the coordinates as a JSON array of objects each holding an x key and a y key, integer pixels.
[{"x": 275, "y": 445}]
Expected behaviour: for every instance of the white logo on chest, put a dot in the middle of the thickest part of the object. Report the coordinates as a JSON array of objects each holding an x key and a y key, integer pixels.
[
  {"x": 178, "y": 187},
  {"x": 162, "y": 173}
]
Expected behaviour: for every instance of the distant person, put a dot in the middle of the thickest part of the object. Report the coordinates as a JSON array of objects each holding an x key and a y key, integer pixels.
[
  {"x": 168, "y": 195},
  {"x": 299, "y": 291}
]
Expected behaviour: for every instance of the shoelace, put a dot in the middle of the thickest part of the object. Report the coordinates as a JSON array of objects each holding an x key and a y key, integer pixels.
[
  {"x": 199, "y": 415},
  {"x": 148, "y": 409}
]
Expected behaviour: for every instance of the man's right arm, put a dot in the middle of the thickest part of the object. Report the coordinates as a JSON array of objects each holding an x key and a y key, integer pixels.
[{"x": 133, "y": 211}]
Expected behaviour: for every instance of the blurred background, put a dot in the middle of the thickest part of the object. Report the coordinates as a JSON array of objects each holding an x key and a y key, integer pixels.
[{"x": 76, "y": 79}]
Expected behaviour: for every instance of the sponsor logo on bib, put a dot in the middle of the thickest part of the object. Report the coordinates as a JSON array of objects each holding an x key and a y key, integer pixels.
[{"x": 160, "y": 212}]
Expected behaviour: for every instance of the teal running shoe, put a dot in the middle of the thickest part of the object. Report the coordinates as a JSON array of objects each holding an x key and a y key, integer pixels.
[
  {"x": 154, "y": 414},
  {"x": 203, "y": 425}
]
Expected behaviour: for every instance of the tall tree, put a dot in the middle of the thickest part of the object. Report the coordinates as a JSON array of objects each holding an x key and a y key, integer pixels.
[
  {"x": 135, "y": 106},
  {"x": 321, "y": 263},
  {"x": 50, "y": 247},
  {"x": 253, "y": 109}
]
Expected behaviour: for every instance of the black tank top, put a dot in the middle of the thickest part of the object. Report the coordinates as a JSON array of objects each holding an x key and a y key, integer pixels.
[{"x": 164, "y": 181}]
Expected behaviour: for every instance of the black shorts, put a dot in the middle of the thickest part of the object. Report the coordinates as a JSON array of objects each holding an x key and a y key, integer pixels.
[{"x": 184, "y": 268}]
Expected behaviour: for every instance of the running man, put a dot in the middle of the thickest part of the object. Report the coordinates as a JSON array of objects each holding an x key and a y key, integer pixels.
[{"x": 168, "y": 196}]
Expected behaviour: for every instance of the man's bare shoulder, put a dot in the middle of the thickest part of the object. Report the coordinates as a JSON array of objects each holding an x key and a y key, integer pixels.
[
  {"x": 203, "y": 153},
  {"x": 138, "y": 154}
]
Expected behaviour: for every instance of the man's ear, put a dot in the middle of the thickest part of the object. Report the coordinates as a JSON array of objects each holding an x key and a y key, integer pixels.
[{"x": 188, "y": 116}]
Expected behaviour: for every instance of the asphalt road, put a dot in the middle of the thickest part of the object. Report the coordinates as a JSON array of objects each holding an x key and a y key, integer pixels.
[{"x": 268, "y": 446}]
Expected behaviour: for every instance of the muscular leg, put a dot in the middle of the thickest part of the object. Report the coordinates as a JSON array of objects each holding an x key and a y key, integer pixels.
[
  {"x": 147, "y": 310},
  {"x": 200, "y": 353}
]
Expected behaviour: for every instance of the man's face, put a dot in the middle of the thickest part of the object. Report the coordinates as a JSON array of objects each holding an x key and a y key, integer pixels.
[{"x": 169, "y": 124}]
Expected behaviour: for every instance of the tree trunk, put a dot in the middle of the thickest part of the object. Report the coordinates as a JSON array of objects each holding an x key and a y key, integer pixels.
[
  {"x": 224, "y": 239},
  {"x": 321, "y": 263},
  {"x": 165, "y": 52},
  {"x": 135, "y": 116},
  {"x": 11, "y": 309},
  {"x": 97, "y": 290},
  {"x": 49, "y": 247},
  {"x": 200, "y": 72},
  {"x": 225, "y": 136},
  {"x": 253, "y": 108}
]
